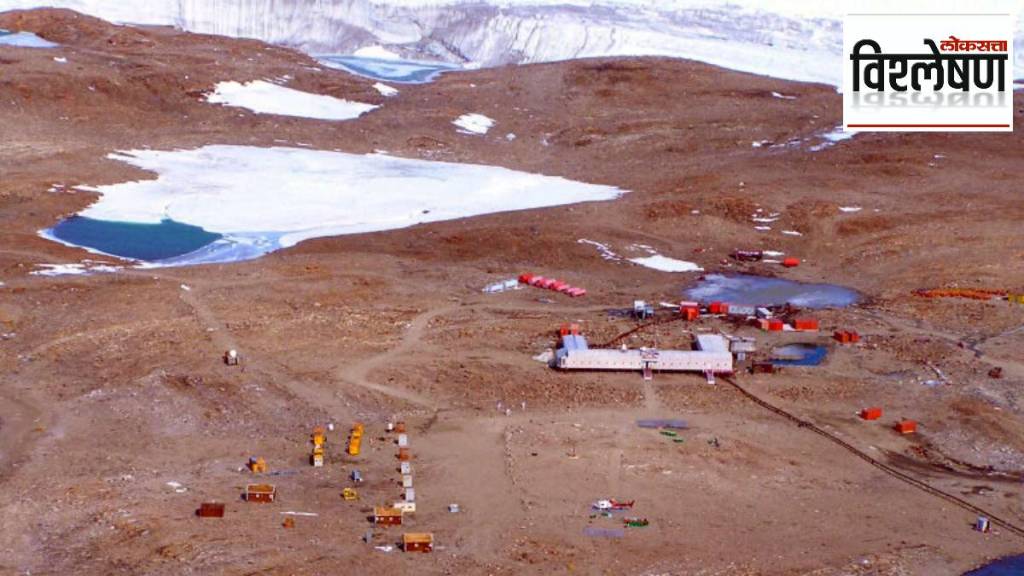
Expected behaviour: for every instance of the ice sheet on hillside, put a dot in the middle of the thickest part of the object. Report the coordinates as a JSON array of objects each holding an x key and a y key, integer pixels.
[
  {"x": 792, "y": 39},
  {"x": 262, "y": 199},
  {"x": 24, "y": 40},
  {"x": 267, "y": 98},
  {"x": 473, "y": 123}
]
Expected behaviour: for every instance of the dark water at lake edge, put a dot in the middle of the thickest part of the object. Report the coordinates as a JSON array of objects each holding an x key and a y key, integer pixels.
[
  {"x": 1009, "y": 566},
  {"x": 147, "y": 242}
]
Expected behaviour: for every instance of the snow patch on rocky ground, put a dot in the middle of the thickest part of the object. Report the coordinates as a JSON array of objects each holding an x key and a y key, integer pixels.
[
  {"x": 652, "y": 260},
  {"x": 385, "y": 90},
  {"x": 73, "y": 269},
  {"x": 474, "y": 124},
  {"x": 266, "y": 98},
  {"x": 666, "y": 264},
  {"x": 262, "y": 199}
]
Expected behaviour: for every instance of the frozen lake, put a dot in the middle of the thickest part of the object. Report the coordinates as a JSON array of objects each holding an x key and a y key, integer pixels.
[
  {"x": 764, "y": 291},
  {"x": 389, "y": 70},
  {"x": 23, "y": 40},
  {"x": 799, "y": 355},
  {"x": 229, "y": 203}
]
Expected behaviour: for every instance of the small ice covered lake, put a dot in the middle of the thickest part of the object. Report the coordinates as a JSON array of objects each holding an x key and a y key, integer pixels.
[
  {"x": 23, "y": 40},
  {"x": 763, "y": 291},
  {"x": 389, "y": 69},
  {"x": 228, "y": 203}
]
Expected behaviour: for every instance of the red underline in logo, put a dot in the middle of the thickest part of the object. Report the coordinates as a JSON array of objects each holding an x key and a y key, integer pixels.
[{"x": 927, "y": 125}]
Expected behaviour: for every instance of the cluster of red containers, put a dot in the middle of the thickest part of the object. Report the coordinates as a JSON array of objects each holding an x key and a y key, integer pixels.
[
  {"x": 552, "y": 284},
  {"x": 846, "y": 336},
  {"x": 718, "y": 308},
  {"x": 799, "y": 324}
]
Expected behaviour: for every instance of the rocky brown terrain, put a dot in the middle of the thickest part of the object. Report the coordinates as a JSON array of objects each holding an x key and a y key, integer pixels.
[{"x": 113, "y": 384}]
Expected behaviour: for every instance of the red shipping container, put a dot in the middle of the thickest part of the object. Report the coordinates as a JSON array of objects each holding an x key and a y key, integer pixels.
[
  {"x": 576, "y": 292},
  {"x": 791, "y": 262},
  {"x": 537, "y": 280},
  {"x": 718, "y": 308},
  {"x": 805, "y": 324},
  {"x": 558, "y": 285},
  {"x": 548, "y": 283},
  {"x": 906, "y": 427},
  {"x": 871, "y": 413},
  {"x": 776, "y": 325},
  {"x": 762, "y": 324},
  {"x": 525, "y": 278},
  {"x": 846, "y": 336},
  {"x": 689, "y": 313}
]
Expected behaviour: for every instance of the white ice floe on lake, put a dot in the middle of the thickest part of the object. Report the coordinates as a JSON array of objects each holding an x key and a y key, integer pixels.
[
  {"x": 666, "y": 264},
  {"x": 24, "y": 40},
  {"x": 266, "y": 98},
  {"x": 262, "y": 199},
  {"x": 385, "y": 90},
  {"x": 474, "y": 124},
  {"x": 850, "y": 209}
]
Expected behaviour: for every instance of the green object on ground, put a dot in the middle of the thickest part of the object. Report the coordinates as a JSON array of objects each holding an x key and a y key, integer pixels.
[
  {"x": 669, "y": 433},
  {"x": 678, "y": 440}
]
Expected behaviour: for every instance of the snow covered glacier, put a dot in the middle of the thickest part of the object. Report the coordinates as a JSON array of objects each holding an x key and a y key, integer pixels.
[{"x": 794, "y": 39}]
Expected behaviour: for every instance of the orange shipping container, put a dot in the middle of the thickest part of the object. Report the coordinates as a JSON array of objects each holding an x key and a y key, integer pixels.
[
  {"x": 805, "y": 324},
  {"x": 906, "y": 427},
  {"x": 871, "y": 413},
  {"x": 718, "y": 308},
  {"x": 404, "y": 455},
  {"x": 791, "y": 262},
  {"x": 689, "y": 313},
  {"x": 776, "y": 325}
]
